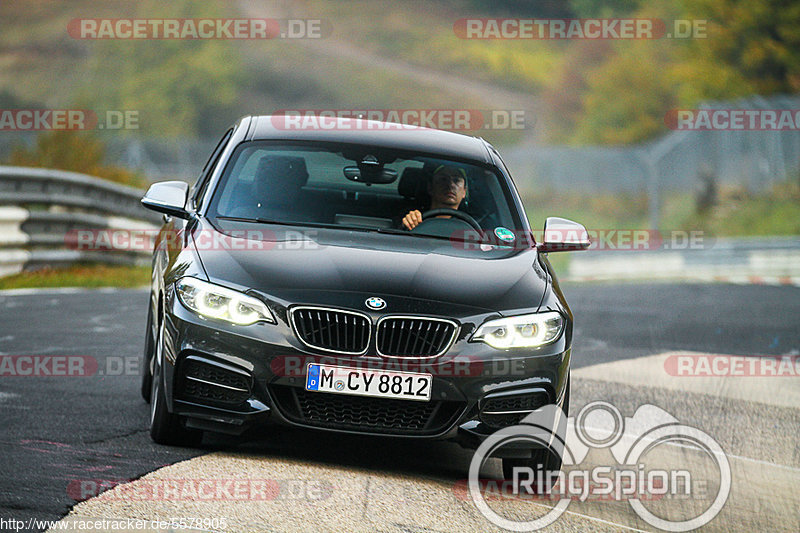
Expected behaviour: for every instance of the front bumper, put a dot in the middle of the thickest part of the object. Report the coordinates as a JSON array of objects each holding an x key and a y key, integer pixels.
[{"x": 229, "y": 378}]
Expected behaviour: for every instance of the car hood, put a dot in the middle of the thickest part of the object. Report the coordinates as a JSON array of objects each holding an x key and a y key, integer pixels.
[{"x": 310, "y": 265}]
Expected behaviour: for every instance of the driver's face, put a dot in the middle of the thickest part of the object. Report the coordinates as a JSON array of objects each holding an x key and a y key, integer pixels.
[{"x": 447, "y": 189}]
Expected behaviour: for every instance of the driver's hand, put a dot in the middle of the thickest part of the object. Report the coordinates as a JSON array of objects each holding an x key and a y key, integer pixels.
[{"x": 412, "y": 219}]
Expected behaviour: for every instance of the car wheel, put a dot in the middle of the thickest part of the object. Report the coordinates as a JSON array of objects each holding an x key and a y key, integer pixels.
[
  {"x": 147, "y": 360},
  {"x": 165, "y": 427},
  {"x": 543, "y": 459}
]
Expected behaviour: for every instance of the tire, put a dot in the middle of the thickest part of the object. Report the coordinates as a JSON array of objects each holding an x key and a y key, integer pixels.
[
  {"x": 541, "y": 459},
  {"x": 147, "y": 360},
  {"x": 165, "y": 427}
]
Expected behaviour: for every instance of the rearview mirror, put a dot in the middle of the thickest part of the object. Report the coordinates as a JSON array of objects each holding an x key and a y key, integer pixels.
[
  {"x": 562, "y": 235},
  {"x": 370, "y": 175},
  {"x": 168, "y": 197}
]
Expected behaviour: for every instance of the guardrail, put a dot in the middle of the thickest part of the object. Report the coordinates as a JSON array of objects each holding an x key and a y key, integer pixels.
[
  {"x": 774, "y": 260},
  {"x": 41, "y": 208}
]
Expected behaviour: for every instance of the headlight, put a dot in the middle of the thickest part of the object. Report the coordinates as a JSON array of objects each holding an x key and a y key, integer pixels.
[
  {"x": 523, "y": 331},
  {"x": 220, "y": 303}
]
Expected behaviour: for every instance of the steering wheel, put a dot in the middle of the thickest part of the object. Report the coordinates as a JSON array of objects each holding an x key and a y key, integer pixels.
[{"x": 461, "y": 215}]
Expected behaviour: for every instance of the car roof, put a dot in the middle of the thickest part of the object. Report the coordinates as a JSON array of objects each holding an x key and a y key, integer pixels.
[{"x": 368, "y": 132}]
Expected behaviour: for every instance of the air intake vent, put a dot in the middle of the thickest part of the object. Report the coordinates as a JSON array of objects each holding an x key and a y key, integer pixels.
[
  {"x": 360, "y": 413},
  {"x": 414, "y": 336},
  {"x": 502, "y": 411},
  {"x": 332, "y": 330},
  {"x": 205, "y": 382}
]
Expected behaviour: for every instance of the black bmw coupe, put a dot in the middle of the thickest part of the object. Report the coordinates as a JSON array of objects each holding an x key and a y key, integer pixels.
[{"x": 359, "y": 277}]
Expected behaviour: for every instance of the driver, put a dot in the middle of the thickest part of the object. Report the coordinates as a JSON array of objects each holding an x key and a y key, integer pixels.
[{"x": 447, "y": 189}]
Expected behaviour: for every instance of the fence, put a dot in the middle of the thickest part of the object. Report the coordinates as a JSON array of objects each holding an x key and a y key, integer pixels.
[
  {"x": 753, "y": 160},
  {"x": 39, "y": 208}
]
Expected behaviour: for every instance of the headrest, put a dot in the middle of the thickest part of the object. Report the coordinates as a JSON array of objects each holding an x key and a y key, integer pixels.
[
  {"x": 413, "y": 183},
  {"x": 280, "y": 171}
]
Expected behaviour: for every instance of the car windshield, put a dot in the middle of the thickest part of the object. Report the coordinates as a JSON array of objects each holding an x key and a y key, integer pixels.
[{"x": 359, "y": 187}]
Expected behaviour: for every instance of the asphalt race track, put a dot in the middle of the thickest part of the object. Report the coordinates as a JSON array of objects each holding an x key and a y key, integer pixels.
[{"x": 60, "y": 433}]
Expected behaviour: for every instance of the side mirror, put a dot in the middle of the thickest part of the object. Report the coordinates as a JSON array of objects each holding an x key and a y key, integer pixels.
[
  {"x": 562, "y": 235},
  {"x": 168, "y": 197}
]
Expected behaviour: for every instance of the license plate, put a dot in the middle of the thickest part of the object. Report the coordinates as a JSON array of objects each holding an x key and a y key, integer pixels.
[{"x": 362, "y": 382}]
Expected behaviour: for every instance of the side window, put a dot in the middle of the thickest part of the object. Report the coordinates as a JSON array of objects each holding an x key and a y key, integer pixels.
[{"x": 202, "y": 182}]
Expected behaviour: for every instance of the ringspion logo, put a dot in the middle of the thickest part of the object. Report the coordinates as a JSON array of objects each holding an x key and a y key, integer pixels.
[{"x": 601, "y": 425}]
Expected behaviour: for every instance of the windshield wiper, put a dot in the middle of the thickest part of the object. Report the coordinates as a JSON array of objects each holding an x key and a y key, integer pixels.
[
  {"x": 309, "y": 224},
  {"x": 393, "y": 231},
  {"x": 389, "y": 231},
  {"x": 281, "y": 222}
]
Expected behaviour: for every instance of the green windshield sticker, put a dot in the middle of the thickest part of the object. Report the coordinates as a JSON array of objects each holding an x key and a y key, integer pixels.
[{"x": 504, "y": 234}]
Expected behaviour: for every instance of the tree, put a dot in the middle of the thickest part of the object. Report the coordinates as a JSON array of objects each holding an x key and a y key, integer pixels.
[
  {"x": 627, "y": 97},
  {"x": 759, "y": 40},
  {"x": 750, "y": 47},
  {"x": 179, "y": 86},
  {"x": 78, "y": 151},
  {"x": 604, "y": 8}
]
